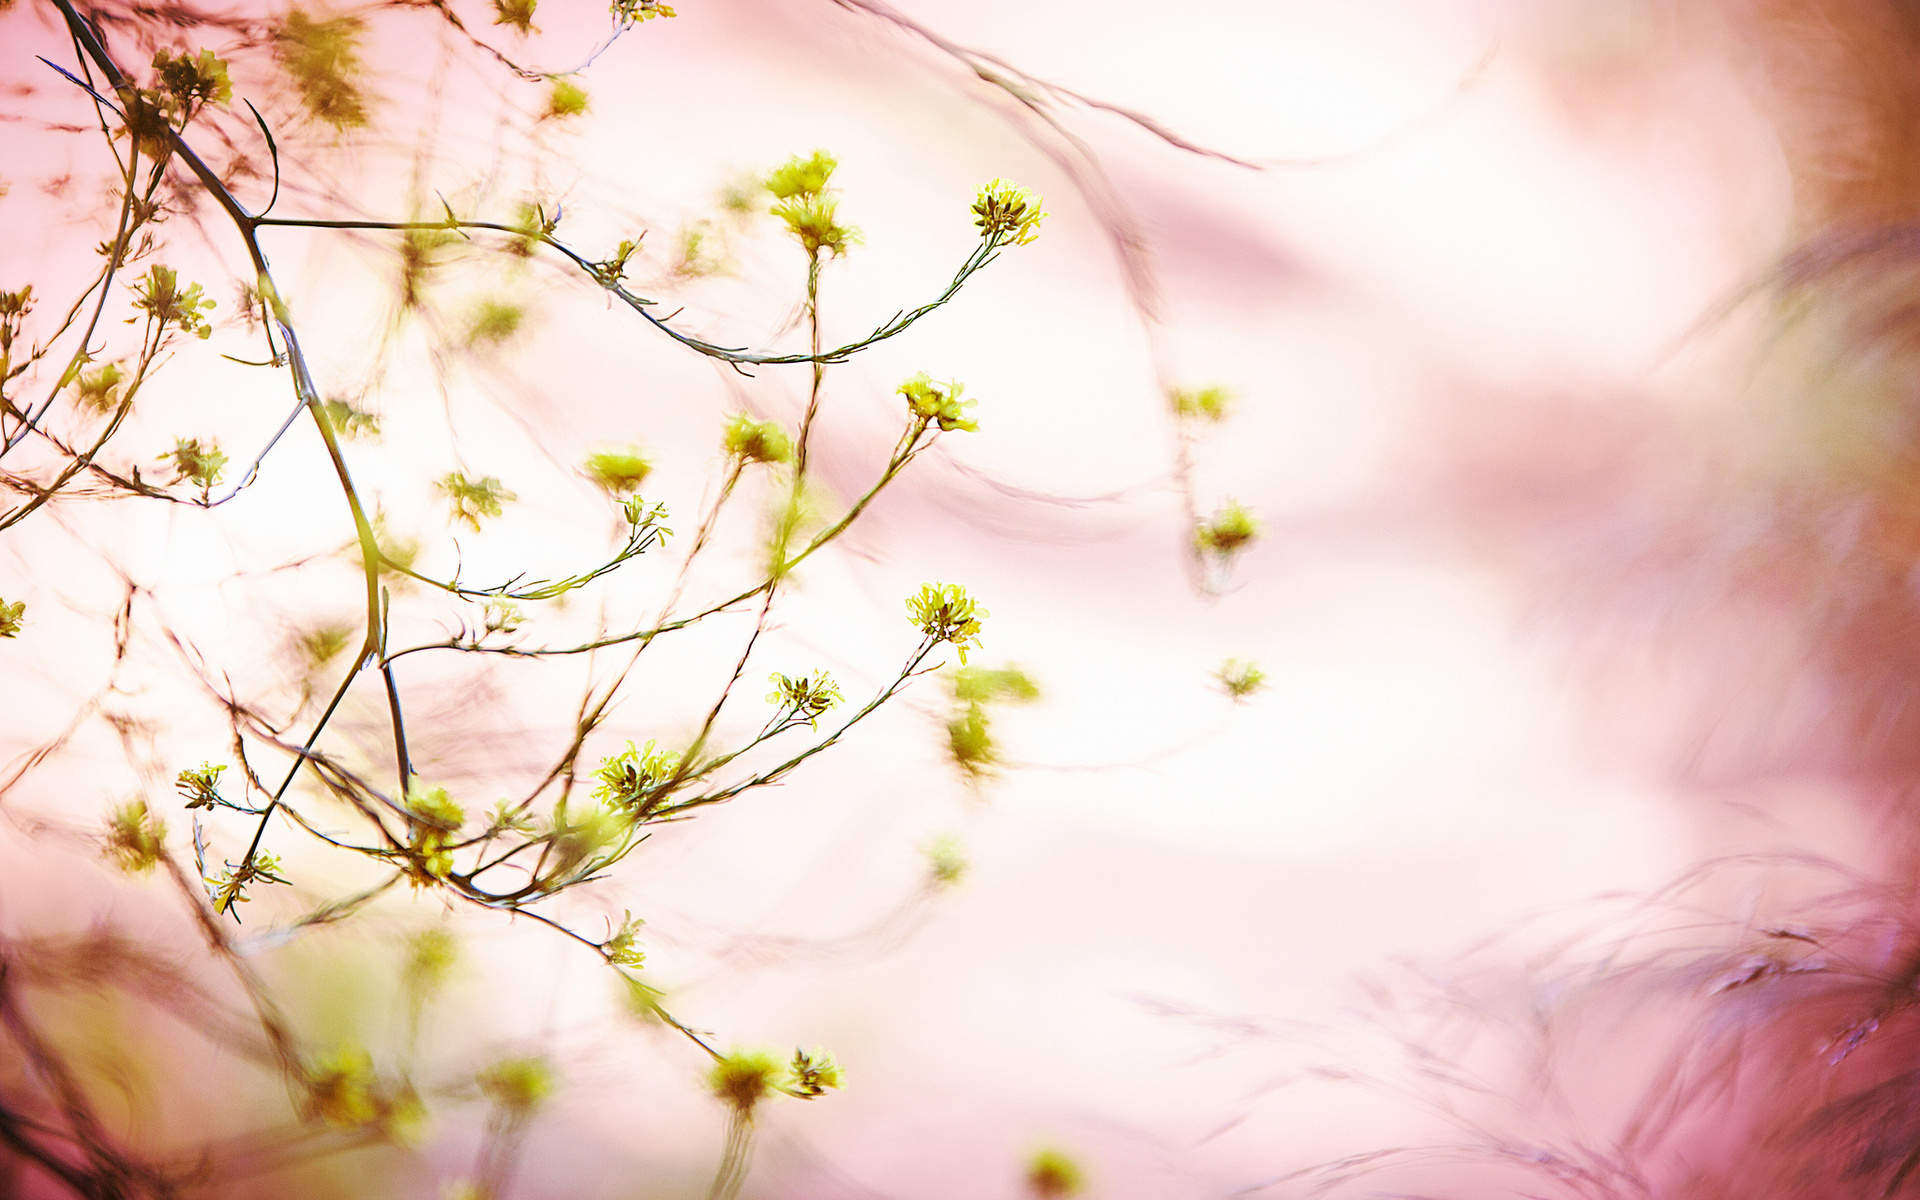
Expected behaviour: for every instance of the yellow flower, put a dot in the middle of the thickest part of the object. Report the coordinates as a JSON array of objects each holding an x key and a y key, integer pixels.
[
  {"x": 802, "y": 176},
  {"x": 945, "y": 613},
  {"x": 939, "y": 403},
  {"x": 1007, "y": 213}
]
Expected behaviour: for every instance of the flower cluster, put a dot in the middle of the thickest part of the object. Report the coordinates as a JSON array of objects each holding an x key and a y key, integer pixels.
[
  {"x": 135, "y": 837},
  {"x": 531, "y": 223},
  {"x": 12, "y": 617},
  {"x": 567, "y": 99},
  {"x": 436, "y": 822},
  {"x": 946, "y": 860},
  {"x": 200, "y": 786},
  {"x": 200, "y": 465},
  {"x": 743, "y": 1078},
  {"x": 1240, "y": 678},
  {"x": 802, "y": 176},
  {"x": 1051, "y": 1174},
  {"x": 14, "y": 307},
  {"x": 517, "y": 1084},
  {"x": 619, "y": 472},
  {"x": 99, "y": 389},
  {"x": 188, "y": 83},
  {"x": 348, "y": 421},
  {"x": 517, "y": 13},
  {"x": 801, "y": 191},
  {"x": 643, "y": 516},
  {"x": 1230, "y": 531},
  {"x": 945, "y": 613},
  {"x": 158, "y": 294},
  {"x": 620, "y": 948},
  {"x": 323, "y": 59},
  {"x": 757, "y": 441},
  {"x": 631, "y": 12},
  {"x": 969, "y": 731},
  {"x": 502, "y": 616},
  {"x": 472, "y": 499},
  {"x": 805, "y": 698},
  {"x": 635, "y": 779},
  {"x": 580, "y": 837},
  {"x": 228, "y": 888},
  {"x": 343, "y": 1090},
  {"x": 812, "y": 1074},
  {"x": 1007, "y": 213},
  {"x": 1201, "y": 404},
  {"x": 938, "y": 403},
  {"x": 493, "y": 321},
  {"x": 610, "y": 272}
]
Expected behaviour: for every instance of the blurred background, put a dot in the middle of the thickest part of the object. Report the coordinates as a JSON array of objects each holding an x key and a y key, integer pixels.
[{"x": 1568, "y": 347}]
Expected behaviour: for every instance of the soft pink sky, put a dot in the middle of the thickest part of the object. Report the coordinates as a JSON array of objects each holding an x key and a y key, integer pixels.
[{"x": 1502, "y": 227}]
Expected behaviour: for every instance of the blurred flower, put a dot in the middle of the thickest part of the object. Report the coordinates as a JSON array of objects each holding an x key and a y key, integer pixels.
[
  {"x": 620, "y": 472},
  {"x": 323, "y": 58},
  {"x": 757, "y": 441},
  {"x": 517, "y": 1084},
  {"x": 1240, "y": 677},
  {"x": 1208, "y": 403},
  {"x": 1051, "y": 1173},
  {"x": 473, "y": 499},
  {"x": 1231, "y": 530},
  {"x": 135, "y": 837}
]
